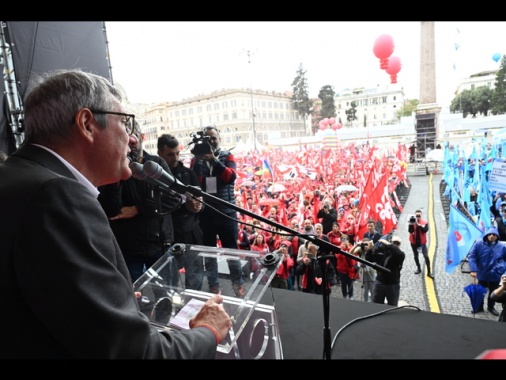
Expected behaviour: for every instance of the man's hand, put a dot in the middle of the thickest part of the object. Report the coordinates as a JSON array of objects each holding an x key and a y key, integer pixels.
[
  {"x": 213, "y": 316},
  {"x": 193, "y": 205},
  {"x": 126, "y": 213}
]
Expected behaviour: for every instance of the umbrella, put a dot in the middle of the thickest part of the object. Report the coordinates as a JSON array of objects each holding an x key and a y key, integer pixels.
[
  {"x": 435, "y": 155},
  {"x": 476, "y": 294},
  {"x": 268, "y": 202},
  {"x": 276, "y": 188},
  {"x": 248, "y": 183},
  {"x": 342, "y": 188}
]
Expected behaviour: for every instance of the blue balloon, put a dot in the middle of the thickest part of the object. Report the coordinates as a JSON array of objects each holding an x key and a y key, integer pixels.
[{"x": 496, "y": 57}]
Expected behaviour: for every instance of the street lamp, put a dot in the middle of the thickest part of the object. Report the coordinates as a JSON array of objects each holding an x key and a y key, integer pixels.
[{"x": 252, "y": 107}]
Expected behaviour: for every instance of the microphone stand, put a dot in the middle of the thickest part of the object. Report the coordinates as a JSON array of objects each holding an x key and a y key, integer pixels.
[{"x": 195, "y": 192}]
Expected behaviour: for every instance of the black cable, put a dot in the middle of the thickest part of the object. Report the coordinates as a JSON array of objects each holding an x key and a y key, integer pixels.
[{"x": 369, "y": 316}]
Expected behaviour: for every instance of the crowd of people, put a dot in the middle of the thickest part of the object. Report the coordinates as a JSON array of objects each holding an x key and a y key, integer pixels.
[{"x": 71, "y": 208}]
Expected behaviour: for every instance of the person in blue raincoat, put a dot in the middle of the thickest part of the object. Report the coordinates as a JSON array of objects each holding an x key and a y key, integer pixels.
[{"x": 487, "y": 262}]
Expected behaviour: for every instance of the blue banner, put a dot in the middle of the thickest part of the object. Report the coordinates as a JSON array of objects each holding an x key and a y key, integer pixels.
[{"x": 462, "y": 233}]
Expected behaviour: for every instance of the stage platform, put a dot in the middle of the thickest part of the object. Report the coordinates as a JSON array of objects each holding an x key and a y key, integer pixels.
[{"x": 371, "y": 331}]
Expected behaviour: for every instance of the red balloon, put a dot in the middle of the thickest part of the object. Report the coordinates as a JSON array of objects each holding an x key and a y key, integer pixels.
[
  {"x": 383, "y": 48},
  {"x": 334, "y": 127},
  {"x": 394, "y": 66}
]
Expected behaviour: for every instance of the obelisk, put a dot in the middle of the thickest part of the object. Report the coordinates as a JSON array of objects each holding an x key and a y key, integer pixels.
[{"x": 427, "y": 112}]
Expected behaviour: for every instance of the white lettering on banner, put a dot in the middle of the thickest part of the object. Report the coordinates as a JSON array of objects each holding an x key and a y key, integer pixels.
[{"x": 497, "y": 177}]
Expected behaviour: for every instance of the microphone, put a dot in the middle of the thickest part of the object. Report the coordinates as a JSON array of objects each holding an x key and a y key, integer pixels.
[
  {"x": 156, "y": 172},
  {"x": 138, "y": 173}
]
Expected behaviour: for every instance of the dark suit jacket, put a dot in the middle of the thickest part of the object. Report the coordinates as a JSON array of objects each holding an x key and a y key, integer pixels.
[{"x": 66, "y": 291}]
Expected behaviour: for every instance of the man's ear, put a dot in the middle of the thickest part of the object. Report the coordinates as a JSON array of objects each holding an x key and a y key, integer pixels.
[{"x": 86, "y": 123}]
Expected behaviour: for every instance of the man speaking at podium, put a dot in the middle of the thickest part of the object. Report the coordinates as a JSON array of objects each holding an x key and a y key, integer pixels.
[{"x": 66, "y": 290}]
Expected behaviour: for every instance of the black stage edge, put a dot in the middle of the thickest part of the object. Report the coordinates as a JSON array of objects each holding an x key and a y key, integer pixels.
[{"x": 404, "y": 333}]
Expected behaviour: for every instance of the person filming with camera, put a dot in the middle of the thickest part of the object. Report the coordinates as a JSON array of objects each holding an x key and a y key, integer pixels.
[
  {"x": 328, "y": 216},
  {"x": 418, "y": 229},
  {"x": 499, "y": 295},
  {"x": 216, "y": 171},
  {"x": 389, "y": 255}
]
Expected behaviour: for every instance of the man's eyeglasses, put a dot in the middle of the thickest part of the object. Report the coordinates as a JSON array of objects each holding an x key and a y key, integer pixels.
[
  {"x": 418, "y": 216},
  {"x": 128, "y": 121}
]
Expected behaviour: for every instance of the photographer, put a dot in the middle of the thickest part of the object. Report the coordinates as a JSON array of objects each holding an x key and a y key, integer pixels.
[
  {"x": 328, "y": 216},
  {"x": 368, "y": 272},
  {"x": 418, "y": 229},
  {"x": 310, "y": 269},
  {"x": 216, "y": 170},
  {"x": 387, "y": 285},
  {"x": 499, "y": 295}
]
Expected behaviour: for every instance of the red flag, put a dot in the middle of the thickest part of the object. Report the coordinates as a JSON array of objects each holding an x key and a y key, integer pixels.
[
  {"x": 283, "y": 219},
  {"x": 378, "y": 207},
  {"x": 316, "y": 208}
]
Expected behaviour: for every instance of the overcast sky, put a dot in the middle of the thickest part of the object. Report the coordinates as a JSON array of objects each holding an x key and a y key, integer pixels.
[{"x": 170, "y": 61}]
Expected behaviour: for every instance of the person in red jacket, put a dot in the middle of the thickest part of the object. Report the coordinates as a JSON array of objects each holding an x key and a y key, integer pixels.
[
  {"x": 418, "y": 229},
  {"x": 280, "y": 280},
  {"x": 348, "y": 270}
]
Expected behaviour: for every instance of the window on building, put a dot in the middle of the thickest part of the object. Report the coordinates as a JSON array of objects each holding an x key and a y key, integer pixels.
[
  {"x": 177, "y": 113},
  {"x": 183, "y": 112},
  {"x": 190, "y": 111},
  {"x": 224, "y": 105},
  {"x": 208, "y": 108},
  {"x": 365, "y": 102},
  {"x": 225, "y": 116},
  {"x": 384, "y": 99},
  {"x": 234, "y": 115},
  {"x": 199, "y": 109},
  {"x": 216, "y": 106}
]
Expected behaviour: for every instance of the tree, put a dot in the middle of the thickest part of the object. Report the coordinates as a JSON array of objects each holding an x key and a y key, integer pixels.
[
  {"x": 472, "y": 102},
  {"x": 408, "y": 108},
  {"x": 484, "y": 99},
  {"x": 351, "y": 113},
  {"x": 327, "y": 96},
  {"x": 300, "y": 98},
  {"x": 498, "y": 102}
]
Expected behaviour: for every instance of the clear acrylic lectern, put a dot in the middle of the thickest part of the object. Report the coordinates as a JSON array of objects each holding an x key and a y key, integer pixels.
[{"x": 169, "y": 297}]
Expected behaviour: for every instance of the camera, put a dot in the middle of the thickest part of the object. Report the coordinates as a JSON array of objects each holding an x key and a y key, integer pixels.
[
  {"x": 201, "y": 144},
  {"x": 412, "y": 219}
]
